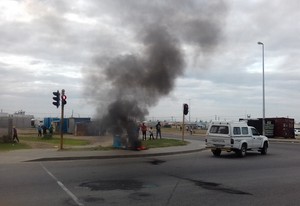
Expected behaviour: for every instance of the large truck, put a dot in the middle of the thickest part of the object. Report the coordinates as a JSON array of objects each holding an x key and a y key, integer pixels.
[{"x": 235, "y": 136}]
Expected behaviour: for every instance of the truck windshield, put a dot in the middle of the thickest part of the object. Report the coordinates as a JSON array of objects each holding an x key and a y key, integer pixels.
[{"x": 218, "y": 129}]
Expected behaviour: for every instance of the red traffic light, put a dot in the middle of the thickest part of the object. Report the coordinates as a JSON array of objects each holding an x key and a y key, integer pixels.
[{"x": 64, "y": 99}]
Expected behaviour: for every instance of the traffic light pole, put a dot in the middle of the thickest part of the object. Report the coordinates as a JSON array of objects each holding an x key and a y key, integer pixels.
[
  {"x": 185, "y": 111},
  {"x": 183, "y": 127},
  {"x": 62, "y": 123}
]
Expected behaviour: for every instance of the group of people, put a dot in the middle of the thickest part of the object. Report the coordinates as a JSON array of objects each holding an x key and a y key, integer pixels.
[
  {"x": 42, "y": 130},
  {"x": 144, "y": 130}
]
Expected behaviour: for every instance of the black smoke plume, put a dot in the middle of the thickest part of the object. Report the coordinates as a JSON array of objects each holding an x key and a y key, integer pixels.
[
  {"x": 138, "y": 81},
  {"x": 125, "y": 86}
]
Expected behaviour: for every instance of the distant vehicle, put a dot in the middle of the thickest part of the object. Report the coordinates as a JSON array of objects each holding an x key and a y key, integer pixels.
[
  {"x": 297, "y": 132},
  {"x": 235, "y": 136}
]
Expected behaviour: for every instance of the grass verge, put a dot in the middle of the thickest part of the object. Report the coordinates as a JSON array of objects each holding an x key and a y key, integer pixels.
[
  {"x": 148, "y": 144},
  {"x": 163, "y": 143},
  {"x": 56, "y": 141},
  {"x": 10, "y": 146},
  {"x": 28, "y": 141}
]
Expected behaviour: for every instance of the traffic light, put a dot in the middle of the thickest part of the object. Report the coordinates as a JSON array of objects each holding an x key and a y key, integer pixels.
[
  {"x": 56, "y": 99},
  {"x": 185, "y": 109},
  {"x": 64, "y": 99}
]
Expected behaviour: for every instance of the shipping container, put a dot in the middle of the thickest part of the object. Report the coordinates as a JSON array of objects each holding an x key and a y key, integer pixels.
[{"x": 274, "y": 127}]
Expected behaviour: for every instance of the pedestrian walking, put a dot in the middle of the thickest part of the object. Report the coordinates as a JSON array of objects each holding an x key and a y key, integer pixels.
[
  {"x": 158, "y": 130},
  {"x": 15, "y": 135},
  {"x": 144, "y": 131}
]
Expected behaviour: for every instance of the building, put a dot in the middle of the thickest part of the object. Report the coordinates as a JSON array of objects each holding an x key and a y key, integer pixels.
[
  {"x": 69, "y": 124},
  {"x": 6, "y": 125},
  {"x": 74, "y": 121}
]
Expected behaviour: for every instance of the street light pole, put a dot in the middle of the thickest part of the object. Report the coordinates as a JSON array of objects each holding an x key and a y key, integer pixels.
[{"x": 263, "y": 82}]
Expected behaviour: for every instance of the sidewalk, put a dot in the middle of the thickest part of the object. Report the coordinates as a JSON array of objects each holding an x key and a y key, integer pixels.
[{"x": 35, "y": 155}]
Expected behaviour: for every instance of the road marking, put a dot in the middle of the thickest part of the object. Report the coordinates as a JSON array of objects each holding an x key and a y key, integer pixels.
[{"x": 76, "y": 200}]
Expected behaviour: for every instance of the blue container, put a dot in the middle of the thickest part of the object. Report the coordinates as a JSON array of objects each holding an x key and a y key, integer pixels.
[
  {"x": 117, "y": 141},
  {"x": 49, "y": 120}
]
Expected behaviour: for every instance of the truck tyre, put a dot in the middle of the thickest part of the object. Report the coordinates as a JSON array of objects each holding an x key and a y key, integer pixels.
[
  {"x": 216, "y": 152},
  {"x": 264, "y": 150},
  {"x": 243, "y": 151}
]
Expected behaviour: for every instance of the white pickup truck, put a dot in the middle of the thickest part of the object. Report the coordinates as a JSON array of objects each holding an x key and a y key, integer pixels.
[{"x": 235, "y": 136}]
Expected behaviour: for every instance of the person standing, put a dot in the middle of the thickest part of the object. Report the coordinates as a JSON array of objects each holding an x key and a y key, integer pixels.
[
  {"x": 44, "y": 128},
  {"x": 191, "y": 130},
  {"x": 15, "y": 135},
  {"x": 39, "y": 131},
  {"x": 138, "y": 128},
  {"x": 144, "y": 131},
  {"x": 158, "y": 130},
  {"x": 51, "y": 130},
  {"x": 151, "y": 133}
]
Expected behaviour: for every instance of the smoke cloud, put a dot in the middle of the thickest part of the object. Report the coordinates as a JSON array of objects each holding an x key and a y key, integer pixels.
[{"x": 124, "y": 86}]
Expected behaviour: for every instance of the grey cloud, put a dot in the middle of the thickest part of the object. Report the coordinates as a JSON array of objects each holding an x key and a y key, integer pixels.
[{"x": 216, "y": 41}]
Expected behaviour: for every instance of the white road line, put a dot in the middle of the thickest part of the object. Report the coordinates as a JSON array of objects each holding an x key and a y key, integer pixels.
[{"x": 62, "y": 186}]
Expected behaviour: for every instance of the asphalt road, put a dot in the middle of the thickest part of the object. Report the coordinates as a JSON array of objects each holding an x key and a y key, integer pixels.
[{"x": 190, "y": 179}]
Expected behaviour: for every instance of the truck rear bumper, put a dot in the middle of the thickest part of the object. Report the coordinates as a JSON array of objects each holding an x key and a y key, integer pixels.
[{"x": 227, "y": 149}]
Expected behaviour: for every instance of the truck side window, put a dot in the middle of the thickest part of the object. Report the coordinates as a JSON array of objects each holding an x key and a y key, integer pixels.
[
  {"x": 245, "y": 130},
  {"x": 236, "y": 130},
  {"x": 255, "y": 132}
]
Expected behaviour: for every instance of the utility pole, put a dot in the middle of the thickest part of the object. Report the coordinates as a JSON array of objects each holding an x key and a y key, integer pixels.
[{"x": 263, "y": 85}]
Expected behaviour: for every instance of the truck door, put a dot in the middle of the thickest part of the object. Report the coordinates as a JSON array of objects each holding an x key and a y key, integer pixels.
[
  {"x": 257, "y": 139},
  {"x": 247, "y": 136}
]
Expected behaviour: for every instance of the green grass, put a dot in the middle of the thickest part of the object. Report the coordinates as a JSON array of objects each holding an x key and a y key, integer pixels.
[
  {"x": 56, "y": 140},
  {"x": 11, "y": 146},
  {"x": 150, "y": 144},
  {"x": 52, "y": 141},
  {"x": 26, "y": 137},
  {"x": 97, "y": 148},
  {"x": 163, "y": 143}
]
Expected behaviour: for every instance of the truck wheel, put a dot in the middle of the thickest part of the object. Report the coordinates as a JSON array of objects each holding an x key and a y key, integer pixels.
[
  {"x": 243, "y": 151},
  {"x": 216, "y": 152},
  {"x": 264, "y": 150}
]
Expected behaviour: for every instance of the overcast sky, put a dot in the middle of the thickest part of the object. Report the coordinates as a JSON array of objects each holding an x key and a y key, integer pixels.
[{"x": 61, "y": 44}]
